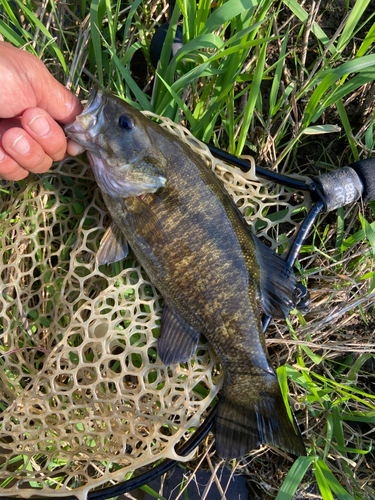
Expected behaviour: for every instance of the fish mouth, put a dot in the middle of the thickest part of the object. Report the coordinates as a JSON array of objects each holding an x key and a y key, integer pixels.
[{"x": 88, "y": 119}]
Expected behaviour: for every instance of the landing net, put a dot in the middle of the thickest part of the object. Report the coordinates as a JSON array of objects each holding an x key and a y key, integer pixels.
[{"x": 85, "y": 400}]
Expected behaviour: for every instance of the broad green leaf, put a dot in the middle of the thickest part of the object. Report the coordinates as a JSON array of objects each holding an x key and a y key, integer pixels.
[
  {"x": 147, "y": 489},
  {"x": 315, "y": 358},
  {"x": 241, "y": 46},
  {"x": 283, "y": 381},
  {"x": 203, "y": 13},
  {"x": 181, "y": 6},
  {"x": 347, "y": 390},
  {"x": 337, "y": 424},
  {"x": 345, "y": 449},
  {"x": 369, "y": 231},
  {"x": 339, "y": 231},
  {"x": 330, "y": 77},
  {"x": 367, "y": 42},
  {"x": 332, "y": 482},
  {"x": 369, "y": 417},
  {"x": 203, "y": 41},
  {"x": 356, "y": 238},
  {"x": 321, "y": 129},
  {"x": 166, "y": 70},
  {"x": 369, "y": 137},
  {"x": 354, "y": 370},
  {"x": 11, "y": 35},
  {"x": 342, "y": 90},
  {"x": 294, "y": 478},
  {"x": 347, "y": 127},
  {"x": 180, "y": 84},
  {"x": 226, "y": 12},
  {"x": 322, "y": 483}
]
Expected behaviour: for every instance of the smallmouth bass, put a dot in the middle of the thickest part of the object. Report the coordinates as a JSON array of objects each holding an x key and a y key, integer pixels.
[{"x": 198, "y": 250}]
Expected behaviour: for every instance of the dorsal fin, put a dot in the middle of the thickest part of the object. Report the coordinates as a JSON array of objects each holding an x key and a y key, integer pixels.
[{"x": 277, "y": 282}]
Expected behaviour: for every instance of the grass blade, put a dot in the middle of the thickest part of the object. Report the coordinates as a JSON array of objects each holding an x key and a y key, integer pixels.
[
  {"x": 95, "y": 38},
  {"x": 355, "y": 15},
  {"x": 329, "y": 79},
  {"x": 331, "y": 482},
  {"x": 367, "y": 42},
  {"x": 51, "y": 41},
  {"x": 179, "y": 101},
  {"x": 322, "y": 483},
  {"x": 228, "y": 11},
  {"x": 303, "y": 16},
  {"x": 348, "y": 129},
  {"x": 277, "y": 78},
  {"x": 294, "y": 478},
  {"x": 253, "y": 94},
  {"x": 283, "y": 381},
  {"x": 11, "y": 35}
]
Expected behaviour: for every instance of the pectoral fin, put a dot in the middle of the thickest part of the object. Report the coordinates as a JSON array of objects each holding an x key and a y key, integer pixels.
[
  {"x": 278, "y": 285},
  {"x": 113, "y": 246},
  {"x": 177, "y": 341}
]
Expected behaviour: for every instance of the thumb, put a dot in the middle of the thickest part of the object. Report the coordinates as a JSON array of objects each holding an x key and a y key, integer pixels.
[
  {"x": 58, "y": 101},
  {"x": 34, "y": 85}
]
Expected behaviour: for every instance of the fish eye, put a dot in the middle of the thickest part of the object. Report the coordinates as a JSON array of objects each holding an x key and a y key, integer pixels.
[{"x": 125, "y": 122}]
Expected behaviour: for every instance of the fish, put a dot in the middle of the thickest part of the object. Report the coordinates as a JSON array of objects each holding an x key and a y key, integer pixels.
[{"x": 214, "y": 274}]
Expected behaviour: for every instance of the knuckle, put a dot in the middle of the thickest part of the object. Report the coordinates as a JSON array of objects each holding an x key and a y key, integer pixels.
[{"x": 12, "y": 171}]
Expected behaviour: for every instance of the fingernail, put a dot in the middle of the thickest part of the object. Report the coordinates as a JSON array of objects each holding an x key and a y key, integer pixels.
[
  {"x": 39, "y": 124},
  {"x": 21, "y": 145},
  {"x": 2, "y": 155},
  {"x": 74, "y": 149}
]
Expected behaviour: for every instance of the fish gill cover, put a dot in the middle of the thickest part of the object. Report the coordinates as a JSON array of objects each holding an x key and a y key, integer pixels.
[{"x": 86, "y": 400}]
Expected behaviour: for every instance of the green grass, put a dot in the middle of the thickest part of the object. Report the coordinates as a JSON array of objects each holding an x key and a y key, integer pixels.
[{"x": 265, "y": 78}]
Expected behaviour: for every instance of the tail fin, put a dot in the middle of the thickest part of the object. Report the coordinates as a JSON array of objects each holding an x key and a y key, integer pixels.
[{"x": 250, "y": 416}]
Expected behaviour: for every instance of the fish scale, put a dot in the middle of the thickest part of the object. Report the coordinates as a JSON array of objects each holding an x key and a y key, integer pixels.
[{"x": 197, "y": 249}]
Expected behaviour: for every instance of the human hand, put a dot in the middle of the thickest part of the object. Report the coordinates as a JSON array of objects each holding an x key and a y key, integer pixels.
[{"x": 30, "y": 102}]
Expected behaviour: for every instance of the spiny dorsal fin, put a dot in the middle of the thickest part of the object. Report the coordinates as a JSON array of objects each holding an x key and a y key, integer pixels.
[
  {"x": 177, "y": 341},
  {"x": 113, "y": 246},
  {"x": 277, "y": 282}
]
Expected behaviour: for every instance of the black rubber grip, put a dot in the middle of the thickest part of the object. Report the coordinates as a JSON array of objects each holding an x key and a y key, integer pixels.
[
  {"x": 366, "y": 172},
  {"x": 338, "y": 188}
]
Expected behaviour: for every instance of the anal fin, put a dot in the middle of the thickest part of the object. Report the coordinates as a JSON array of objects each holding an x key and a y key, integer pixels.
[
  {"x": 177, "y": 341},
  {"x": 113, "y": 246}
]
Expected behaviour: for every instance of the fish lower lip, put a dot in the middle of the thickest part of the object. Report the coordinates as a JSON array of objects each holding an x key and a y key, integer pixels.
[{"x": 73, "y": 128}]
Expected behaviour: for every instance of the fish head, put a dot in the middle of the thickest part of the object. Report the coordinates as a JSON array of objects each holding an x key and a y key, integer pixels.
[{"x": 124, "y": 159}]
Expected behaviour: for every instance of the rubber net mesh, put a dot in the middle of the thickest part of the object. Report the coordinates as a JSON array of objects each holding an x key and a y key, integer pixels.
[{"x": 85, "y": 399}]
